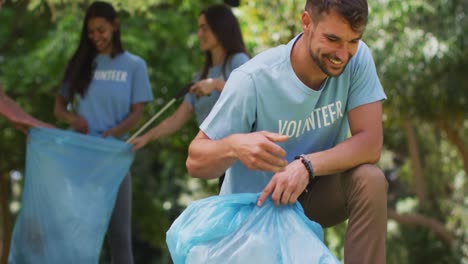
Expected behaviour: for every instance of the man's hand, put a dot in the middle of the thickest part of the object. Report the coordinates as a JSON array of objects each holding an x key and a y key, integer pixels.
[
  {"x": 16, "y": 115},
  {"x": 22, "y": 121},
  {"x": 286, "y": 186},
  {"x": 207, "y": 158},
  {"x": 24, "y": 125},
  {"x": 258, "y": 151}
]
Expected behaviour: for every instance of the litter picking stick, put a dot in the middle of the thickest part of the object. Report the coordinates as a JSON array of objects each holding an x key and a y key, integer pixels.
[{"x": 179, "y": 94}]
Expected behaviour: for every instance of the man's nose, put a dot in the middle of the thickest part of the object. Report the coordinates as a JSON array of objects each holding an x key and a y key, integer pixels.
[{"x": 342, "y": 53}]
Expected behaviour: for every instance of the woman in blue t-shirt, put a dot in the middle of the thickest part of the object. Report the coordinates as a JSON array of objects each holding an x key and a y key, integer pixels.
[
  {"x": 109, "y": 87},
  {"x": 221, "y": 39}
]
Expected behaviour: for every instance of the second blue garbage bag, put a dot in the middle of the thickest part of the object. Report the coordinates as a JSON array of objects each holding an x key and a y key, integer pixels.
[
  {"x": 69, "y": 192},
  {"x": 232, "y": 229}
]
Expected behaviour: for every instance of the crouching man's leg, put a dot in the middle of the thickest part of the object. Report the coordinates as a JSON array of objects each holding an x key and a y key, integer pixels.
[{"x": 359, "y": 195}]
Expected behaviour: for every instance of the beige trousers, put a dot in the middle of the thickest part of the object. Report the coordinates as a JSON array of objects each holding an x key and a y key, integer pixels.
[{"x": 359, "y": 195}]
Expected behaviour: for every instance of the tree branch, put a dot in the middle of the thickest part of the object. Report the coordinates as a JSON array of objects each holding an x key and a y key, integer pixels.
[{"x": 424, "y": 221}]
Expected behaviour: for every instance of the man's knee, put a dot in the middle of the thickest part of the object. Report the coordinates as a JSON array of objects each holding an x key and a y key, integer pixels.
[{"x": 369, "y": 181}]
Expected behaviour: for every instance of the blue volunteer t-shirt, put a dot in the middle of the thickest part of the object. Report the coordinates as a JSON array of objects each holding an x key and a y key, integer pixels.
[
  {"x": 266, "y": 94},
  {"x": 203, "y": 105},
  {"x": 118, "y": 83}
]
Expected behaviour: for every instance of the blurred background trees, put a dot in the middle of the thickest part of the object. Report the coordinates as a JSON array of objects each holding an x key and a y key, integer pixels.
[{"x": 420, "y": 50}]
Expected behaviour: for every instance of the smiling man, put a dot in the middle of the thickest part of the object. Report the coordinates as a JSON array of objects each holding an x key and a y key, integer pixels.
[{"x": 281, "y": 127}]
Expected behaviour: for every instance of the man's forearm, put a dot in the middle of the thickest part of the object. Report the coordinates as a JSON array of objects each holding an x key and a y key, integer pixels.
[
  {"x": 364, "y": 146},
  {"x": 259, "y": 150},
  {"x": 360, "y": 149},
  {"x": 209, "y": 159},
  {"x": 16, "y": 115}
]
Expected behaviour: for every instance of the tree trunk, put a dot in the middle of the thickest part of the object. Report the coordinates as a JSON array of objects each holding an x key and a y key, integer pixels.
[
  {"x": 454, "y": 137},
  {"x": 424, "y": 221},
  {"x": 416, "y": 166}
]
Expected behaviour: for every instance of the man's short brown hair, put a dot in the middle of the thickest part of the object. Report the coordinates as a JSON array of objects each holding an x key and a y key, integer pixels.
[{"x": 353, "y": 11}]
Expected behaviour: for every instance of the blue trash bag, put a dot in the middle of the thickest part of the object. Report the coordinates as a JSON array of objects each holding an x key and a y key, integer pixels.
[
  {"x": 232, "y": 229},
  {"x": 71, "y": 183}
]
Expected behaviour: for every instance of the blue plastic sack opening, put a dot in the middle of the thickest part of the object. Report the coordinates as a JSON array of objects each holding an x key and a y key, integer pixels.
[
  {"x": 71, "y": 183},
  {"x": 232, "y": 229}
]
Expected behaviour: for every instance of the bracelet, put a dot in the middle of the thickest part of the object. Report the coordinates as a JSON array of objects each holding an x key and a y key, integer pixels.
[{"x": 308, "y": 165}]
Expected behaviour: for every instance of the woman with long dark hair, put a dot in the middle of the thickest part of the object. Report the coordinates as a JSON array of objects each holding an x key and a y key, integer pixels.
[
  {"x": 221, "y": 39},
  {"x": 108, "y": 88}
]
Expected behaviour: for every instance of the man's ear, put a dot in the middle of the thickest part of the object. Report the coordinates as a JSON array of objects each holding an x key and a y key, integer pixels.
[{"x": 306, "y": 20}]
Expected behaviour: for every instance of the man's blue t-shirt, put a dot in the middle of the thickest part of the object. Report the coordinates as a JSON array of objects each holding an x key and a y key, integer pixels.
[
  {"x": 266, "y": 94},
  {"x": 203, "y": 105},
  {"x": 117, "y": 84}
]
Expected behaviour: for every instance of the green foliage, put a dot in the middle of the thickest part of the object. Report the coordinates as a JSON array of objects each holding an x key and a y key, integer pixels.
[
  {"x": 421, "y": 246},
  {"x": 164, "y": 34},
  {"x": 419, "y": 57},
  {"x": 269, "y": 23},
  {"x": 420, "y": 49}
]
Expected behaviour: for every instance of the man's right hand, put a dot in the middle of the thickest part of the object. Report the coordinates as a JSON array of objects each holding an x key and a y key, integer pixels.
[
  {"x": 258, "y": 151},
  {"x": 16, "y": 115}
]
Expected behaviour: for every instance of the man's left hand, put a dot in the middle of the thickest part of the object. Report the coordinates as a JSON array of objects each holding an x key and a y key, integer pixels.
[{"x": 286, "y": 186}]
